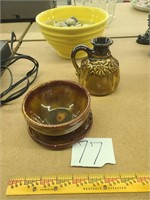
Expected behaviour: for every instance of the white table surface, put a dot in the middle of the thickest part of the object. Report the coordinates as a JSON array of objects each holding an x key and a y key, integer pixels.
[{"x": 122, "y": 116}]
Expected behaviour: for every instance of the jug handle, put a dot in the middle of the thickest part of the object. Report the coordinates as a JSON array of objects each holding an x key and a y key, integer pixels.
[{"x": 73, "y": 56}]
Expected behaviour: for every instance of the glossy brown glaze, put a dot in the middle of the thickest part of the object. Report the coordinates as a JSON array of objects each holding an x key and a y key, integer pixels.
[
  {"x": 99, "y": 71},
  {"x": 56, "y": 107},
  {"x": 63, "y": 141}
]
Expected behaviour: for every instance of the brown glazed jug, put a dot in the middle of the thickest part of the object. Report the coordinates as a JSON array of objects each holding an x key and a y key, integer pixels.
[{"x": 99, "y": 71}]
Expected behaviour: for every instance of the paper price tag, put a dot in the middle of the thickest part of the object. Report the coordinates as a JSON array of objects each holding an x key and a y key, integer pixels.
[{"x": 93, "y": 152}]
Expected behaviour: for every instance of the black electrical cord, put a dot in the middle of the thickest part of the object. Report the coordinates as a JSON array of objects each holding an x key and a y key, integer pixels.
[{"x": 27, "y": 78}]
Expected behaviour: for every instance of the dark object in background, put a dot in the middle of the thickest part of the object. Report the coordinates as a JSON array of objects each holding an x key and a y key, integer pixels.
[
  {"x": 23, "y": 11},
  {"x": 7, "y": 58},
  {"x": 5, "y": 53},
  {"x": 145, "y": 39}
]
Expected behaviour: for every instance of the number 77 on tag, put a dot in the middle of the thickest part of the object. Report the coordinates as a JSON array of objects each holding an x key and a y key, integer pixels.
[{"x": 93, "y": 152}]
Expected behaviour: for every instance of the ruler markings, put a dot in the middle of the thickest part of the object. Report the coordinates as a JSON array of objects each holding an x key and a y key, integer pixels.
[{"x": 78, "y": 184}]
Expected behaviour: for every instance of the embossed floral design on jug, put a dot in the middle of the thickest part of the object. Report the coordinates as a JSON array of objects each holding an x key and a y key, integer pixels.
[{"x": 99, "y": 71}]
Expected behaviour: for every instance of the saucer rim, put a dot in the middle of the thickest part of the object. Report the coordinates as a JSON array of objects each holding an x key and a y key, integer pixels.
[{"x": 80, "y": 133}]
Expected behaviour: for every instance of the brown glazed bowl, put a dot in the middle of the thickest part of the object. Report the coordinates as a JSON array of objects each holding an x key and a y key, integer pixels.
[{"x": 57, "y": 107}]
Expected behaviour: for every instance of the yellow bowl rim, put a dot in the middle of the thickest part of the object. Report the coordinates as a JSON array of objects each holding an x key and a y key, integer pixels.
[{"x": 72, "y": 28}]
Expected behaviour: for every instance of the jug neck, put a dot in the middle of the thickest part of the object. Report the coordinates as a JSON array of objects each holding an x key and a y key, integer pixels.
[
  {"x": 101, "y": 46},
  {"x": 101, "y": 51}
]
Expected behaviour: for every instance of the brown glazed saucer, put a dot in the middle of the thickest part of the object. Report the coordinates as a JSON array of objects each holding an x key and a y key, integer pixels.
[{"x": 63, "y": 141}]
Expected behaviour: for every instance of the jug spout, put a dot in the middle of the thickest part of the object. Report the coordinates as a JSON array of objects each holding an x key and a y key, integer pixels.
[
  {"x": 102, "y": 41},
  {"x": 101, "y": 45}
]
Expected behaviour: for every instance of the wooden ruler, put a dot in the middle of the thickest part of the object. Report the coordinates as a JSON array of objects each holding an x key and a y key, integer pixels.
[{"x": 79, "y": 184}]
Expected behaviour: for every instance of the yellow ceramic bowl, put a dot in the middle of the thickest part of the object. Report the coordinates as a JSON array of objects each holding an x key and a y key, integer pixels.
[{"x": 64, "y": 39}]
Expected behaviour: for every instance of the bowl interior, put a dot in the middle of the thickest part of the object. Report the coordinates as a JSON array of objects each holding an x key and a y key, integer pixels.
[
  {"x": 55, "y": 102},
  {"x": 87, "y": 15}
]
